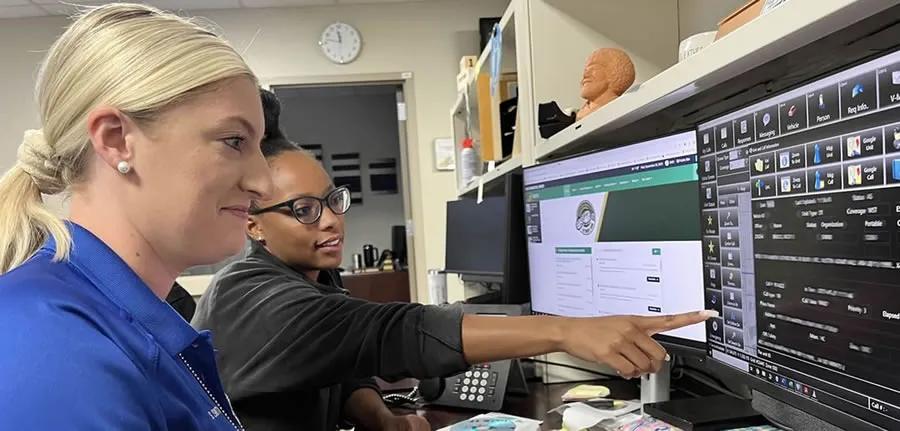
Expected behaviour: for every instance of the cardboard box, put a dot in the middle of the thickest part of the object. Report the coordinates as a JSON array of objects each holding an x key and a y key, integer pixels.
[
  {"x": 489, "y": 112},
  {"x": 743, "y": 15},
  {"x": 467, "y": 62}
]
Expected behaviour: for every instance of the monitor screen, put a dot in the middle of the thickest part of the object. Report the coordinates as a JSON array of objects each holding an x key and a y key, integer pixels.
[
  {"x": 616, "y": 232},
  {"x": 801, "y": 225},
  {"x": 476, "y": 236}
]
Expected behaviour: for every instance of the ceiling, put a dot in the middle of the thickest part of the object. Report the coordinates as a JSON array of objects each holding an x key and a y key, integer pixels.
[{"x": 31, "y": 8}]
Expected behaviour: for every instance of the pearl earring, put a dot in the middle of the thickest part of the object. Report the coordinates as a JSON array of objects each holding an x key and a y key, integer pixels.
[{"x": 124, "y": 167}]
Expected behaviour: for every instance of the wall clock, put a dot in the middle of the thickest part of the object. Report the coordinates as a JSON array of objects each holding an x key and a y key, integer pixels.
[{"x": 341, "y": 43}]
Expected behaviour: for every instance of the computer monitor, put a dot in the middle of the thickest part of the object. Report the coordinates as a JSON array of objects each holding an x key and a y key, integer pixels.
[
  {"x": 476, "y": 236},
  {"x": 486, "y": 242},
  {"x": 615, "y": 232},
  {"x": 801, "y": 225}
]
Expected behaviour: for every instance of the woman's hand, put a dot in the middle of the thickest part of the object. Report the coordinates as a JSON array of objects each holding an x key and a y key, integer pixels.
[
  {"x": 624, "y": 342},
  {"x": 406, "y": 423}
]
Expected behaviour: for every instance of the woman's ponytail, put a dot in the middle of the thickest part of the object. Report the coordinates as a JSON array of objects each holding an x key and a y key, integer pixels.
[{"x": 25, "y": 222}]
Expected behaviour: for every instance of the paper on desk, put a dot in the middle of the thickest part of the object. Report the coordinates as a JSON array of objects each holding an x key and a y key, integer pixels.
[
  {"x": 647, "y": 423},
  {"x": 495, "y": 421},
  {"x": 580, "y": 416},
  {"x": 585, "y": 392}
]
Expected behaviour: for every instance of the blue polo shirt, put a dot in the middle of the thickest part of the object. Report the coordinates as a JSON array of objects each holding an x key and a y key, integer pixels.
[{"x": 85, "y": 345}]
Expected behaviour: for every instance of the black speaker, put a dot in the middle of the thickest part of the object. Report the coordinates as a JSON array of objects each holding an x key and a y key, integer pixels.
[
  {"x": 398, "y": 245},
  {"x": 485, "y": 28}
]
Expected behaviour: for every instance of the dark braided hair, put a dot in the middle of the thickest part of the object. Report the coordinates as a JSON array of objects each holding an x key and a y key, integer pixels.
[{"x": 274, "y": 142}]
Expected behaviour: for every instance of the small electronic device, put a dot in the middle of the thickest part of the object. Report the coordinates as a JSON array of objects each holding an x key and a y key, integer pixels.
[{"x": 483, "y": 386}]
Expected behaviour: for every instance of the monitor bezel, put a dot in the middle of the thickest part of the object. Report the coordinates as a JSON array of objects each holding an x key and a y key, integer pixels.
[
  {"x": 826, "y": 413},
  {"x": 505, "y": 232},
  {"x": 679, "y": 346},
  {"x": 692, "y": 130},
  {"x": 831, "y": 415}
]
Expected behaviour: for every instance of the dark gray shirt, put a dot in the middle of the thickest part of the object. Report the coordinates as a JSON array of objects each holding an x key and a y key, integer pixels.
[{"x": 291, "y": 350}]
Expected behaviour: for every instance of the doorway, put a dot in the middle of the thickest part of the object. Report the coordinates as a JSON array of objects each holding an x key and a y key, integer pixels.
[{"x": 358, "y": 132}]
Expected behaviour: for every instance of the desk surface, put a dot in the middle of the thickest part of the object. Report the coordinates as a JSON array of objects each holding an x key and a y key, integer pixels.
[{"x": 541, "y": 399}]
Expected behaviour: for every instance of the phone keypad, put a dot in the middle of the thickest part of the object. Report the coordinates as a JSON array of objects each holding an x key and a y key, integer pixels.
[{"x": 476, "y": 384}]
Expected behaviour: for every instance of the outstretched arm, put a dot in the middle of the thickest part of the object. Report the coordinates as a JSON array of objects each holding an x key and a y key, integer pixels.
[
  {"x": 311, "y": 340},
  {"x": 622, "y": 342},
  {"x": 316, "y": 340}
]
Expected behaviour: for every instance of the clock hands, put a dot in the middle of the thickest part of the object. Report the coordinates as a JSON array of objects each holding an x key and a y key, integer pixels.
[{"x": 334, "y": 45}]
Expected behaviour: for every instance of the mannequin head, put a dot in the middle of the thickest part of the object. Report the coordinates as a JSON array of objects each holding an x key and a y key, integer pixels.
[{"x": 608, "y": 73}]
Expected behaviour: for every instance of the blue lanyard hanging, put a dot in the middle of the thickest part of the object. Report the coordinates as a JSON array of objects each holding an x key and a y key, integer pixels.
[{"x": 496, "y": 56}]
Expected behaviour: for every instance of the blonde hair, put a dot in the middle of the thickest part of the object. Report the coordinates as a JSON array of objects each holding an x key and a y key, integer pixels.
[{"x": 133, "y": 57}]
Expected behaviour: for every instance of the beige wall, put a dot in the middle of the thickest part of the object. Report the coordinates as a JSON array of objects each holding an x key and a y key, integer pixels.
[
  {"x": 22, "y": 46},
  {"x": 697, "y": 16},
  {"x": 425, "y": 38}
]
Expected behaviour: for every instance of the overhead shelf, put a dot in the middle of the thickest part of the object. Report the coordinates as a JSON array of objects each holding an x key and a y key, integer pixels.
[
  {"x": 491, "y": 180},
  {"x": 795, "y": 42},
  {"x": 486, "y": 52},
  {"x": 476, "y": 112}
]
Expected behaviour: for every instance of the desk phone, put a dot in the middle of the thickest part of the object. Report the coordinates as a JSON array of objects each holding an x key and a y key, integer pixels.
[{"x": 482, "y": 386}]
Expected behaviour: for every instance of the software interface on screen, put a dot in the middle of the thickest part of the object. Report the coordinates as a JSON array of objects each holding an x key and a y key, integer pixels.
[
  {"x": 801, "y": 224},
  {"x": 616, "y": 232}
]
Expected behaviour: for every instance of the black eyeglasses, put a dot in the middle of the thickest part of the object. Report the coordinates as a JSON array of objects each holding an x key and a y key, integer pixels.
[{"x": 308, "y": 209}]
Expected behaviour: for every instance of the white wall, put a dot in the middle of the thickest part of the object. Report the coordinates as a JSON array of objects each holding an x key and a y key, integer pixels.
[
  {"x": 426, "y": 38},
  {"x": 22, "y": 46},
  {"x": 321, "y": 116},
  {"x": 697, "y": 16}
]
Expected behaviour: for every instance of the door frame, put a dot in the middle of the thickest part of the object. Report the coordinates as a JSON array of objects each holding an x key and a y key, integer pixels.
[{"x": 410, "y": 176}]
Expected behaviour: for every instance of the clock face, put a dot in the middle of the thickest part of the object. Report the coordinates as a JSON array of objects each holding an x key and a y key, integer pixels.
[{"x": 341, "y": 43}]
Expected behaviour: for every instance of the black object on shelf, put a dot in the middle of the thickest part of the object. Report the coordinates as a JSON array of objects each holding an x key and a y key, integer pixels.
[
  {"x": 398, "y": 246},
  {"x": 508, "y": 115},
  {"x": 486, "y": 28},
  {"x": 552, "y": 119},
  {"x": 715, "y": 412}
]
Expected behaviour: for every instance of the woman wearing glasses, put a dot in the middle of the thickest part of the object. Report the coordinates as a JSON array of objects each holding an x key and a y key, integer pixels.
[{"x": 295, "y": 352}]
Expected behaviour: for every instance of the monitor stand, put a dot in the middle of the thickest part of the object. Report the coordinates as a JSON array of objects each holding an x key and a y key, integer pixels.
[
  {"x": 516, "y": 384},
  {"x": 788, "y": 416},
  {"x": 655, "y": 388},
  {"x": 694, "y": 414},
  {"x": 486, "y": 298}
]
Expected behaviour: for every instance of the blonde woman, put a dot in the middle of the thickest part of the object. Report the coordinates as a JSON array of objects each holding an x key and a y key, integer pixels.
[{"x": 153, "y": 125}]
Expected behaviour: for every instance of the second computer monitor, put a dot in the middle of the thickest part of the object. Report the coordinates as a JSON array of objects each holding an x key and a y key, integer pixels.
[
  {"x": 617, "y": 232},
  {"x": 801, "y": 222}
]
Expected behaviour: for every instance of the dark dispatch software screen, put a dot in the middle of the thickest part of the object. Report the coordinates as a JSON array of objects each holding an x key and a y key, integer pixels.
[{"x": 801, "y": 225}]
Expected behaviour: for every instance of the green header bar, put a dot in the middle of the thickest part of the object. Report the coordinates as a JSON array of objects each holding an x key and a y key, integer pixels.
[
  {"x": 675, "y": 174},
  {"x": 573, "y": 250}
]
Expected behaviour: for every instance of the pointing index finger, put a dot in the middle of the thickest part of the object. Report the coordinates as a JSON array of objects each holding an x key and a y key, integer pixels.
[{"x": 656, "y": 324}]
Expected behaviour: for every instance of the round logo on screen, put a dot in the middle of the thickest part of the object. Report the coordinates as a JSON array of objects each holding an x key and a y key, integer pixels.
[{"x": 586, "y": 219}]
